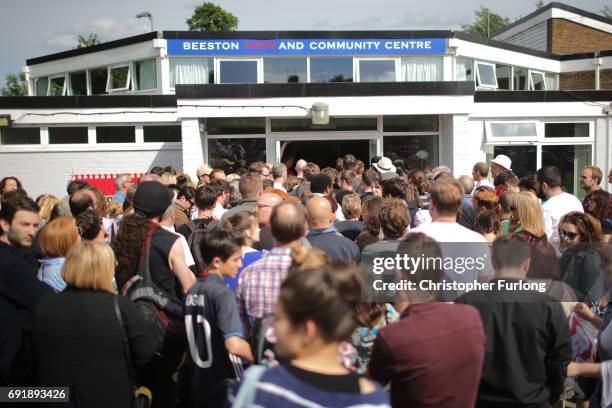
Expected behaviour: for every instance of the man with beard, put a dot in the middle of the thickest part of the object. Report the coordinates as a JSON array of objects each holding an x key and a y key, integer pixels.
[
  {"x": 20, "y": 290},
  {"x": 557, "y": 202}
]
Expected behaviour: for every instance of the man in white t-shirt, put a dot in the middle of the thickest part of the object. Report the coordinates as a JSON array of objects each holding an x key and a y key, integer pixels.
[
  {"x": 558, "y": 203},
  {"x": 455, "y": 240}
]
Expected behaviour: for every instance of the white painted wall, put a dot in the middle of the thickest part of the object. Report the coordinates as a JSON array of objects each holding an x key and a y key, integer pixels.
[
  {"x": 467, "y": 144},
  {"x": 193, "y": 146}
]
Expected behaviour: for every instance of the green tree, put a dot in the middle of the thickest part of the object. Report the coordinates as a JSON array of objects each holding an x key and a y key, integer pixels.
[
  {"x": 210, "y": 17},
  {"x": 486, "y": 23},
  {"x": 539, "y": 4},
  {"x": 15, "y": 85},
  {"x": 606, "y": 11},
  {"x": 92, "y": 39}
]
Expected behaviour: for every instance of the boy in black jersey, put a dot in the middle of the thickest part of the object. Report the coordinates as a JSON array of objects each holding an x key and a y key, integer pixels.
[{"x": 213, "y": 325}]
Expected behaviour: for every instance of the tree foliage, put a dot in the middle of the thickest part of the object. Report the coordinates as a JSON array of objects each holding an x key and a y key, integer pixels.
[
  {"x": 539, "y": 4},
  {"x": 210, "y": 17},
  {"x": 486, "y": 23},
  {"x": 92, "y": 39},
  {"x": 606, "y": 11},
  {"x": 15, "y": 85}
]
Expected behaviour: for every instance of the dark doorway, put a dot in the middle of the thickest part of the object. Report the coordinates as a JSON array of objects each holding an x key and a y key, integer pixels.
[{"x": 323, "y": 152}]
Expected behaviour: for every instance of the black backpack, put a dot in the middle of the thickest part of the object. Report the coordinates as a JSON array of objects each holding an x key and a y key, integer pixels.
[
  {"x": 163, "y": 314},
  {"x": 263, "y": 350},
  {"x": 196, "y": 232}
]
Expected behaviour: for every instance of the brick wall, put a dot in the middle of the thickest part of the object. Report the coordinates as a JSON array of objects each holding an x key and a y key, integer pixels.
[
  {"x": 566, "y": 37},
  {"x": 605, "y": 79},
  {"x": 574, "y": 81}
]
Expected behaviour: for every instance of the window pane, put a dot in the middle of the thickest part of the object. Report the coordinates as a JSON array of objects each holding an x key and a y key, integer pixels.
[
  {"x": 119, "y": 78},
  {"x": 145, "y": 76},
  {"x": 410, "y": 123},
  {"x": 98, "y": 81},
  {"x": 57, "y": 86},
  {"x": 162, "y": 133},
  {"x": 537, "y": 81},
  {"x": 520, "y": 79},
  {"x": 569, "y": 160},
  {"x": 235, "y": 126},
  {"x": 41, "y": 86},
  {"x": 566, "y": 130},
  {"x": 412, "y": 152},
  {"x": 323, "y": 152},
  {"x": 465, "y": 69},
  {"x": 19, "y": 136},
  {"x": 58, "y": 135},
  {"x": 422, "y": 69},
  {"x": 283, "y": 70},
  {"x": 513, "y": 130},
  {"x": 504, "y": 75},
  {"x": 232, "y": 154},
  {"x": 78, "y": 83},
  {"x": 331, "y": 69},
  {"x": 191, "y": 71},
  {"x": 238, "y": 72},
  {"x": 551, "y": 82},
  {"x": 486, "y": 75},
  {"x": 115, "y": 134},
  {"x": 337, "y": 124},
  {"x": 524, "y": 158},
  {"x": 377, "y": 71}
]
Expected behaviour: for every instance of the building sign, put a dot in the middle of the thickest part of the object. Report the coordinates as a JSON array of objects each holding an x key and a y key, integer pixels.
[{"x": 277, "y": 47}]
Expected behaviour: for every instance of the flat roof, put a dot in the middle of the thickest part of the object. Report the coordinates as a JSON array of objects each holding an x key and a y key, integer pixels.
[{"x": 543, "y": 96}]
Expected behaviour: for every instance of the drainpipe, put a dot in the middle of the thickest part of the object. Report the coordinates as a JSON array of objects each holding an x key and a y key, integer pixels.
[{"x": 597, "y": 62}]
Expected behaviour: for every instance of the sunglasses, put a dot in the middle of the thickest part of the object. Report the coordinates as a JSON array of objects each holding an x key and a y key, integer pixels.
[{"x": 570, "y": 235}]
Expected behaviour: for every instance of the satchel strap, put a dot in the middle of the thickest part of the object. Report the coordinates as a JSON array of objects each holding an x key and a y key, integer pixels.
[
  {"x": 126, "y": 343},
  {"x": 248, "y": 388}
]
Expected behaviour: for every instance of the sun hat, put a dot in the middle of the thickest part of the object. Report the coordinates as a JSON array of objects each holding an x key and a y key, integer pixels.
[
  {"x": 384, "y": 165},
  {"x": 503, "y": 160}
]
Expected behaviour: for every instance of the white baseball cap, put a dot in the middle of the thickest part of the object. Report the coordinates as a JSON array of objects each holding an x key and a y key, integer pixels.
[{"x": 503, "y": 160}]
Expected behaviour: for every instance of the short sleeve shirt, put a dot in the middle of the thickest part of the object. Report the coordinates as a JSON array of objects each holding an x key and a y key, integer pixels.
[{"x": 211, "y": 317}]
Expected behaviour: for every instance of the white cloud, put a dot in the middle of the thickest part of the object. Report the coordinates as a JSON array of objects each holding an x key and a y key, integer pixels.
[
  {"x": 105, "y": 24},
  {"x": 62, "y": 41}
]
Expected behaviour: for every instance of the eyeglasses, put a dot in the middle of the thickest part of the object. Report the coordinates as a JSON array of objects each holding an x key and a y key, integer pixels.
[
  {"x": 263, "y": 206},
  {"x": 570, "y": 235}
]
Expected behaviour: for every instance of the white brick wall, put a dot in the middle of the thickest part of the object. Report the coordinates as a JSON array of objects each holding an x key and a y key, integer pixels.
[
  {"x": 467, "y": 144},
  {"x": 49, "y": 172},
  {"x": 193, "y": 149}
]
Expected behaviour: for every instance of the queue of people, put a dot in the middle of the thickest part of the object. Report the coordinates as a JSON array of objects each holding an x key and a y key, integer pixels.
[{"x": 253, "y": 289}]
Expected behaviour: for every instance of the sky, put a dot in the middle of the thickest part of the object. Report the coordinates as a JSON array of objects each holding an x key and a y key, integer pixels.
[{"x": 33, "y": 28}]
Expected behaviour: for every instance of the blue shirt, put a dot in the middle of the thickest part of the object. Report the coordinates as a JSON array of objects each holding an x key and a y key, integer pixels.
[
  {"x": 247, "y": 259},
  {"x": 336, "y": 246},
  {"x": 119, "y": 197},
  {"x": 50, "y": 272}
]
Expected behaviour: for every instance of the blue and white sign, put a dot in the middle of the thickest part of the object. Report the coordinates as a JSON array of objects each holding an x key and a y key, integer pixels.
[{"x": 375, "y": 46}]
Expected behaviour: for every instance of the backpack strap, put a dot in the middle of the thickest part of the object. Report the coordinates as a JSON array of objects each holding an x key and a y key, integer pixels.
[{"x": 248, "y": 387}]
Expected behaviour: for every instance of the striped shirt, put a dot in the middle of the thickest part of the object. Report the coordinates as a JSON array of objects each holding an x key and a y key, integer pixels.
[{"x": 260, "y": 282}]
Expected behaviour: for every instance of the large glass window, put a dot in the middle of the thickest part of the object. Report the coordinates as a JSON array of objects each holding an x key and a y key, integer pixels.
[
  {"x": 486, "y": 75},
  {"x": 163, "y": 134},
  {"x": 191, "y": 71},
  {"x": 537, "y": 81},
  {"x": 524, "y": 158},
  {"x": 331, "y": 69},
  {"x": 465, "y": 69},
  {"x": 424, "y": 123},
  {"x": 57, "y": 86},
  {"x": 41, "y": 86},
  {"x": 119, "y": 79},
  {"x": 504, "y": 77},
  {"x": 552, "y": 130},
  {"x": 410, "y": 152},
  {"x": 233, "y": 154},
  {"x": 376, "y": 70},
  {"x": 513, "y": 129},
  {"x": 115, "y": 134},
  {"x": 569, "y": 159},
  {"x": 98, "y": 78},
  {"x": 19, "y": 136},
  {"x": 336, "y": 124},
  {"x": 283, "y": 70},
  {"x": 551, "y": 81},
  {"x": 145, "y": 75},
  {"x": 520, "y": 79},
  {"x": 235, "y": 126},
  {"x": 60, "y": 135},
  {"x": 78, "y": 83},
  {"x": 422, "y": 68},
  {"x": 238, "y": 72}
]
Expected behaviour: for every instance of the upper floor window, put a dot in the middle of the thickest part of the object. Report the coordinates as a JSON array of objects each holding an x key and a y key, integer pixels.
[
  {"x": 238, "y": 71},
  {"x": 284, "y": 70},
  {"x": 19, "y": 135},
  {"x": 377, "y": 70},
  {"x": 144, "y": 75},
  {"x": 97, "y": 81},
  {"x": 191, "y": 71},
  {"x": 488, "y": 75},
  {"x": 78, "y": 83},
  {"x": 41, "y": 85},
  {"x": 422, "y": 68},
  {"x": 331, "y": 69},
  {"x": 119, "y": 78},
  {"x": 485, "y": 75},
  {"x": 57, "y": 86}
]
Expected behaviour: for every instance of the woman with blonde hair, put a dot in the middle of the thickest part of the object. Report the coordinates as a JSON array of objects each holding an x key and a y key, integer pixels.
[
  {"x": 79, "y": 334},
  {"x": 46, "y": 204},
  {"x": 56, "y": 240}
]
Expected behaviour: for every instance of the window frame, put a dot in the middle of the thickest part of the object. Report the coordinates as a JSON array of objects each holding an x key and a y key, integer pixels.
[
  {"x": 294, "y": 57},
  {"x": 477, "y": 75},
  {"x": 133, "y": 69},
  {"x": 490, "y": 139},
  {"x": 71, "y": 125},
  {"x": 357, "y": 68},
  {"x": 109, "y": 78},
  {"x": 64, "y": 88},
  {"x": 89, "y": 84},
  {"x": 568, "y": 140},
  {"x": 36, "y": 86},
  {"x": 217, "y": 68},
  {"x": 69, "y": 74},
  {"x": 310, "y": 57},
  {"x": 531, "y": 84},
  {"x": 107, "y": 125}
]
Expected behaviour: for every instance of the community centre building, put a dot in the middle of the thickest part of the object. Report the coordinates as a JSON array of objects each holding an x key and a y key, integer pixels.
[{"x": 539, "y": 91}]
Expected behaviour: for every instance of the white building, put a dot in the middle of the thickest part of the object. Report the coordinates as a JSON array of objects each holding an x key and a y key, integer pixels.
[{"x": 424, "y": 97}]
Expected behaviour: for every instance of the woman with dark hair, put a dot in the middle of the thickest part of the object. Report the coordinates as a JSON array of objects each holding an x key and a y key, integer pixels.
[
  {"x": 370, "y": 209},
  {"x": 417, "y": 178},
  {"x": 599, "y": 204},
  {"x": 9, "y": 184},
  {"x": 487, "y": 223},
  {"x": 314, "y": 315},
  {"x": 581, "y": 263}
]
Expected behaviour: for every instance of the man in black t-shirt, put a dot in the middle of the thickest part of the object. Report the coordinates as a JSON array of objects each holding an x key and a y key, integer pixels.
[{"x": 213, "y": 325}]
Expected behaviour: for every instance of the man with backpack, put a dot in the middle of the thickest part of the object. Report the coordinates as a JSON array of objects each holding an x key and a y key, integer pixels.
[{"x": 205, "y": 199}]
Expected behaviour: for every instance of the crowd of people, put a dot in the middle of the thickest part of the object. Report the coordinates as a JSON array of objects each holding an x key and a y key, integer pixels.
[{"x": 249, "y": 289}]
